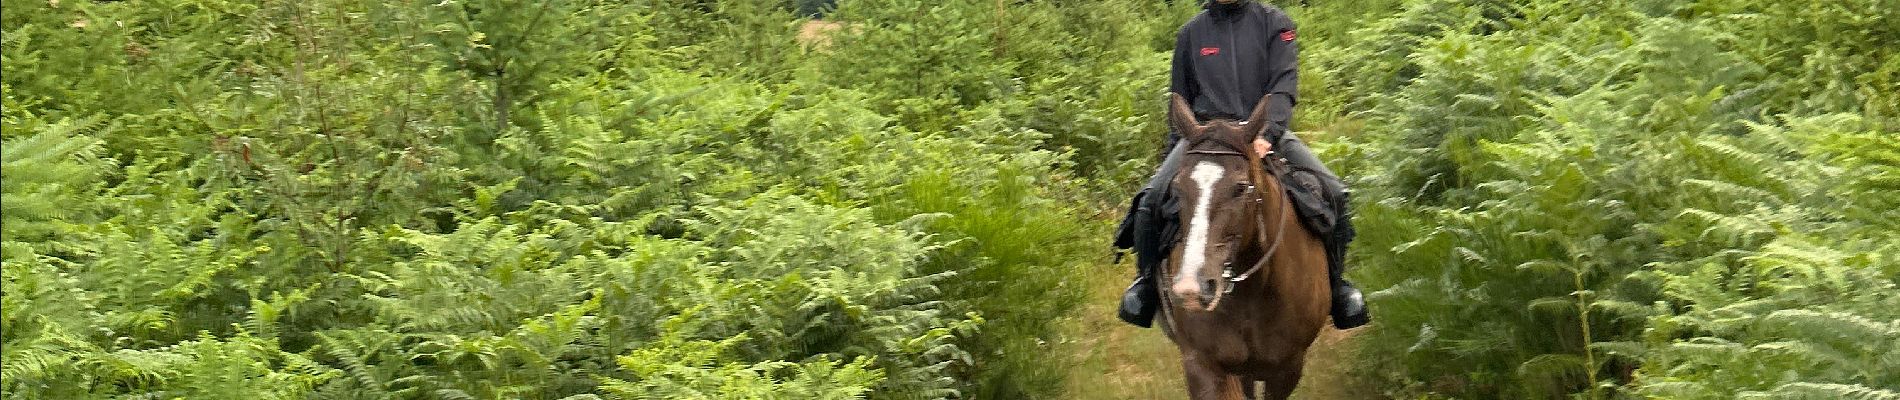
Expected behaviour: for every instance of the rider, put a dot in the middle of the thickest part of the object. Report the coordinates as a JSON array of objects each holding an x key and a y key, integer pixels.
[{"x": 1225, "y": 60}]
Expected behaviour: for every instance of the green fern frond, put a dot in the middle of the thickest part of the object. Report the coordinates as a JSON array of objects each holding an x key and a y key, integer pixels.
[
  {"x": 1849, "y": 333},
  {"x": 1817, "y": 391},
  {"x": 1738, "y": 230},
  {"x": 354, "y": 364},
  {"x": 1679, "y": 390},
  {"x": 45, "y": 178},
  {"x": 1731, "y": 191}
]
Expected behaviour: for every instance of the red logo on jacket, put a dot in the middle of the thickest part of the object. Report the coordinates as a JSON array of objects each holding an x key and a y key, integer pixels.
[
  {"x": 1286, "y": 35},
  {"x": 1208, "y": 51}
]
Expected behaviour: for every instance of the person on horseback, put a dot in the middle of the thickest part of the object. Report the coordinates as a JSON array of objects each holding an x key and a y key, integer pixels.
[{"x": 1226, "y": 59}]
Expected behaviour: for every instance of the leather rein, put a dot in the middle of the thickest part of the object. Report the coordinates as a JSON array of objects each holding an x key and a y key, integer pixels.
[{"x": 1255, "y": 172}]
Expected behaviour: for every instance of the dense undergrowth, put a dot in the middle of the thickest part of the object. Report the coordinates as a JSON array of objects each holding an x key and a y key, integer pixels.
[
  {"x": 546, "y": 199},
  {"x": 1651, "y": 199},
  {"x": 666, "y": 199}
]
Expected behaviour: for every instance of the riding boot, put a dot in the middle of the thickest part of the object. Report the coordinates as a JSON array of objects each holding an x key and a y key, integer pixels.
[
  {"x": 1349, "y": 306},
  {"x": 1140, "y": 301}
]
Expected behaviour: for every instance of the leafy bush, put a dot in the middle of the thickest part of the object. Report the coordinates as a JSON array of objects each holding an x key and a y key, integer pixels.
[
  {"x": 657, "y": 199},
  {"x": 1622, "y": 200},
  {"x": 348, "y": 199}
]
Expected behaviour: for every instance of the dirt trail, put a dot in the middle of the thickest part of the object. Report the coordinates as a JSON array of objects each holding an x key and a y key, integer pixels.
[
  {"x": 1115, "y": 360},
  {"x": 817, "y": 33}
]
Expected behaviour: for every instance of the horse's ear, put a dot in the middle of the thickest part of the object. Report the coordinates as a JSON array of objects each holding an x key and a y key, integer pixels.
[
  {"x": 1181, "y": 117},
  {"x": 1258, "y": 119}
]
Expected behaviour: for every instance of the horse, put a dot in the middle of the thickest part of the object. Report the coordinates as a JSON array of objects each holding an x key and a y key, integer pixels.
[{"x": 1245, "y": 287}]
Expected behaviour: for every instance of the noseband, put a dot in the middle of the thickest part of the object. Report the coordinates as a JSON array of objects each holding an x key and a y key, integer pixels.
[{"x": 1228, "y": 278}]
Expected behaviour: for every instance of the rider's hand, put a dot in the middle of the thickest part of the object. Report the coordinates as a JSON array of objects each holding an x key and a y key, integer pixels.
[{"x": 1261, "y": 147}]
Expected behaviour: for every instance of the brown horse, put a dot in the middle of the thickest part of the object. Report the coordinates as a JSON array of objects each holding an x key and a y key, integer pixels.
[{"x": 1245, "y": 288}]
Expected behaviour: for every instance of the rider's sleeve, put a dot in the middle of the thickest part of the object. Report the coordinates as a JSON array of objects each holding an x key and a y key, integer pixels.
[
  {"x": 1182, "y": 73},
  {"x": 1282, "y": 71},
  {"x": 1181, "y": 81}
]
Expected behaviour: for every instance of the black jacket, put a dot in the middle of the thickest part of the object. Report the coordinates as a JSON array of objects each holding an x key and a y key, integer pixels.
[{"x": 1230, "y": 55}]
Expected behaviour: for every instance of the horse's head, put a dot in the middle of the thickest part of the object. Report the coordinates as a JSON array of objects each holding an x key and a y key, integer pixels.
[{"x": 1219, "y": 188}]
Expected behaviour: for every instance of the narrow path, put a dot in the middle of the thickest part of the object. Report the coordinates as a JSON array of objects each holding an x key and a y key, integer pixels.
[
  {"x": 1114, "y": 360},
  {"x": 817, "y": 33}
]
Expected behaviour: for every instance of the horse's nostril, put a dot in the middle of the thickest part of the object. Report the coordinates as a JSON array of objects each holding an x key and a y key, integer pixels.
[{"x": 1185, "y": 290}]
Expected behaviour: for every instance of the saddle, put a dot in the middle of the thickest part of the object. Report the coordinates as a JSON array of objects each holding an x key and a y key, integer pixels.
[{"x": 1149, "y": 225}]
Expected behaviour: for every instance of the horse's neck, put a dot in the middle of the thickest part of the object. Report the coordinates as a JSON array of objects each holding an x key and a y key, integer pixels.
[{"x": 1276, "y": 210}]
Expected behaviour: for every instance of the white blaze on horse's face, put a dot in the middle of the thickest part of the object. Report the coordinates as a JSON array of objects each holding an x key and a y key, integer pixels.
[{"x": 1187, "y": 284}]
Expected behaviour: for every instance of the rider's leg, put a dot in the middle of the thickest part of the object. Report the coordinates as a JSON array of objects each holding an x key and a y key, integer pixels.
[
  {"x": 1141, "y": 299},
  {"x": 1349, "y": 307}
]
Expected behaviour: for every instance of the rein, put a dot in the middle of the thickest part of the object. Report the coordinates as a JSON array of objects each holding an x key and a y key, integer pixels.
[{"x": 1228, "y": 280}]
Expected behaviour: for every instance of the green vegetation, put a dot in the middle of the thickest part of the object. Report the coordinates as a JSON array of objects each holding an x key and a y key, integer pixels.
[
  {"x": 686, "y": 199},
  {"x": 546, "y": 199},
  {"x": 1685, "y": 199}
]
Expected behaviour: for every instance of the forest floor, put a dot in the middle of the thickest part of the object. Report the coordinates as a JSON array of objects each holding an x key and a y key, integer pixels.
[
  {"x": 817, "y": 33},
  {"x": 1114, "y": 360}
]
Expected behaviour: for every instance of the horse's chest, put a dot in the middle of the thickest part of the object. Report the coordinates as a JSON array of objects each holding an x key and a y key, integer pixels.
[{"x": 1241, "y": 341}]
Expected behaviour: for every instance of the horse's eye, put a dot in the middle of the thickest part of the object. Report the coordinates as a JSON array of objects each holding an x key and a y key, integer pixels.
[{"x": 1243, "y": 188}]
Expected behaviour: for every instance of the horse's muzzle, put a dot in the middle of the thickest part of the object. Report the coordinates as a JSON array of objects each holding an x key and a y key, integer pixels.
[{"x": 1195, "y": 296}]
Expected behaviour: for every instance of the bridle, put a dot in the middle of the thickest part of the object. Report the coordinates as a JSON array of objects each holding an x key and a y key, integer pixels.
[{"x": 1256, "y": 173}]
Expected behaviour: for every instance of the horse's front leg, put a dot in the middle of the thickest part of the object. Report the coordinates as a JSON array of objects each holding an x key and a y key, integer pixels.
[
  {"x": 1205, "y": 381},
  {"x": 1281, "y": 382}
]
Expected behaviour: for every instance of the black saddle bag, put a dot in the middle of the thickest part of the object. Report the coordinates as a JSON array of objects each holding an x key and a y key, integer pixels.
[
  {"x": 1310, "y": 201},
  {"x": 1149, "y": 227}
]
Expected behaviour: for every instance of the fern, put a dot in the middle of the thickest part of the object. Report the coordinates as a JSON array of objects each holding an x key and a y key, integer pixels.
[
  {"x": 1804, "y": 390},
  {"x": 699, "y": 370},
  {"x": 572, "y": 199},
  {"x": 47, "y": 176},
  {"x": 1511, "y": 148}
]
